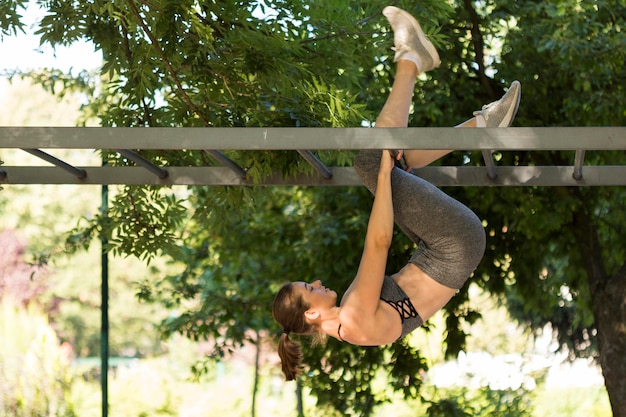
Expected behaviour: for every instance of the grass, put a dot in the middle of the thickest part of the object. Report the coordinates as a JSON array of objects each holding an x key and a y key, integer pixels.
[
  {"x": 572, "y": 402},
  {"x": 157, "y": 387}
]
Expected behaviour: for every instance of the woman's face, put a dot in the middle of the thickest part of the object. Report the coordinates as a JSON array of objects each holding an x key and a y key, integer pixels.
[{"x": 316, "y": 295}]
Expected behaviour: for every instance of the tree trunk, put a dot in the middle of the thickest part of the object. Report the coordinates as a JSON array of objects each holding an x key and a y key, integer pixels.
[
  {"x": 608, "y": 298},
  {"x": 609, "y": 307}
]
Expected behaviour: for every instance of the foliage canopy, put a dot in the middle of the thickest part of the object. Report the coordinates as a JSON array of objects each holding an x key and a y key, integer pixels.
[{"x": 554, "y": 254}]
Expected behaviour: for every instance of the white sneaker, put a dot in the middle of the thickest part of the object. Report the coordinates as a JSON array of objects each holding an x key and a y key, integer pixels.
[
  {"x": 409, "y": 39},
  {"x": 502, "y": 112}
]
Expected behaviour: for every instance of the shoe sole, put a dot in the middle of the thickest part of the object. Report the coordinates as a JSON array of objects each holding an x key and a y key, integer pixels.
[
  {"x": 510, "y": 115},
  {"x": 430, "y": 48}
]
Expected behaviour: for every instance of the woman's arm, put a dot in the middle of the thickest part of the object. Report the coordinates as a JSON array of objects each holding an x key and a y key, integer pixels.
[
  {"x": 380, "y": 225},
  {"x": 360, "y": 303}
]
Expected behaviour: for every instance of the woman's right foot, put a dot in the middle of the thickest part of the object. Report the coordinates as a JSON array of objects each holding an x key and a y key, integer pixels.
[
  {"x": 502, "y": 112},
  {"x": 410, "y": 42}
]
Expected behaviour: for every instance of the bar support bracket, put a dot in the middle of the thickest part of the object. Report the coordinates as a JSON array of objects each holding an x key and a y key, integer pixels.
[{"x": 77, "y": 172}]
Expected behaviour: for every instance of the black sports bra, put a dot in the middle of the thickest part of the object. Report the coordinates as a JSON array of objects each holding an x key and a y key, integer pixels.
[{"x": 392, "y": 294}]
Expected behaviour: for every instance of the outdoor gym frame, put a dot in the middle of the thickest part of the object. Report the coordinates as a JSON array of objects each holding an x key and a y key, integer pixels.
[{"x": 129, "y": 141}]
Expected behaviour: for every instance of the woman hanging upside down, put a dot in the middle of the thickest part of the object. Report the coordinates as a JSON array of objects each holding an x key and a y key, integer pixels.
[{"x": 377, "y": 309}]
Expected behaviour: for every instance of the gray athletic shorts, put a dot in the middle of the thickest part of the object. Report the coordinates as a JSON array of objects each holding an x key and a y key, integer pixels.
[{"x": 450, "y": 238}]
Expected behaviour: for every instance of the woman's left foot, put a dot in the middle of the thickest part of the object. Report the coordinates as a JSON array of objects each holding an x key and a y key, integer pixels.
[
  {"x": 410, "y": 42},
  {"x": 502, "y": 112}
]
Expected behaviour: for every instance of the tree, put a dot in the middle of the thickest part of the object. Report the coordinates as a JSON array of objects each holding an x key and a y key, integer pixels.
[
  {"x": 566, "y": 252},
  {"x": 204, "y": 63},
  {"x": 558, "y": 252}
]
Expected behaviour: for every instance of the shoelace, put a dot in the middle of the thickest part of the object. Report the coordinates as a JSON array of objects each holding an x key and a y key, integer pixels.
[
  {"x": 484, "y": 110},
  {"x": 402, "y": 48}
]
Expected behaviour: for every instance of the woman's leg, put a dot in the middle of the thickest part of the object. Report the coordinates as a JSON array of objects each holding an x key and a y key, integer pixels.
[
  {"x": 414, "y": 54},
  {"x": 497, "y": 114},
  {"x": 449, "y": 236},
  {"x": 395, "y": 112}
]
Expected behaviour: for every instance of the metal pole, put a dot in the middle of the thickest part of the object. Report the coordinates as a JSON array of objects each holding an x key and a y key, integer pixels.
[
  {"x": 104, "y": 310},
  {"x": 578, "y": 165},
  {"x": 227, "y": 162},
  {"x": 140, "y": 160},
  {"x": 491, "y": 168},
  {"x": 317, "y": 164},
  {"x": 77, "y": 172}
]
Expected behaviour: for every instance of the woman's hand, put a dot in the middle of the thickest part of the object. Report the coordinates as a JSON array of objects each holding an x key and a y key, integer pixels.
[{"x": 387, "y": 162}]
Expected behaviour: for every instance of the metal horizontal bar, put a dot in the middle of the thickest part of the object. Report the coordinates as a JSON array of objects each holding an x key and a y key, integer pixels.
[
  {"x": 77, "y": 172},
  {"x": 342, "y": 176},
  {"x": 285, "y": 138}
]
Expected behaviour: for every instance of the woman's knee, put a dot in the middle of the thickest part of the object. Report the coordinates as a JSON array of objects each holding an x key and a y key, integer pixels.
[{"x": 474, "y": 243}]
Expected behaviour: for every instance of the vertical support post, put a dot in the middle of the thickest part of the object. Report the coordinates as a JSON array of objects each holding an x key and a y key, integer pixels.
[
  {"x": 104, "y": 309},
  {"x": 3, "y": 173},
  {"x": 491, "y": 168},
  {"x": 578, "y": 165},
  {"x": 299, "y": 400}
]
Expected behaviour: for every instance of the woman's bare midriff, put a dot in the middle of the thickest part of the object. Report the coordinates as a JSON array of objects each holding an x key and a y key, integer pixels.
[{"x": 427, "y": 295}]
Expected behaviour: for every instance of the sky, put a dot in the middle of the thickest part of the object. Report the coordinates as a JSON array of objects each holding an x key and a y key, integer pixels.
[
  {"x": 23, "y": 51},
  {"x": 26, "y": 54}
]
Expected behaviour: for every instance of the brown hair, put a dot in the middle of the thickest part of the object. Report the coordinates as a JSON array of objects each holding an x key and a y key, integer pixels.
[{"x": 288, "y": 311}]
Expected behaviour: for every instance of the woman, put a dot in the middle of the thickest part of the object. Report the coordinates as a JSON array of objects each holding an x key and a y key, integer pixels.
[{"x": 378, "y": 309}]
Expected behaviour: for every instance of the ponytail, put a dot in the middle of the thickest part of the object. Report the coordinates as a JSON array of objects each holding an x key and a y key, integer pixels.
[
  {"x": 288, "y": 311},
  {"x": 290, "y": 353}
]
